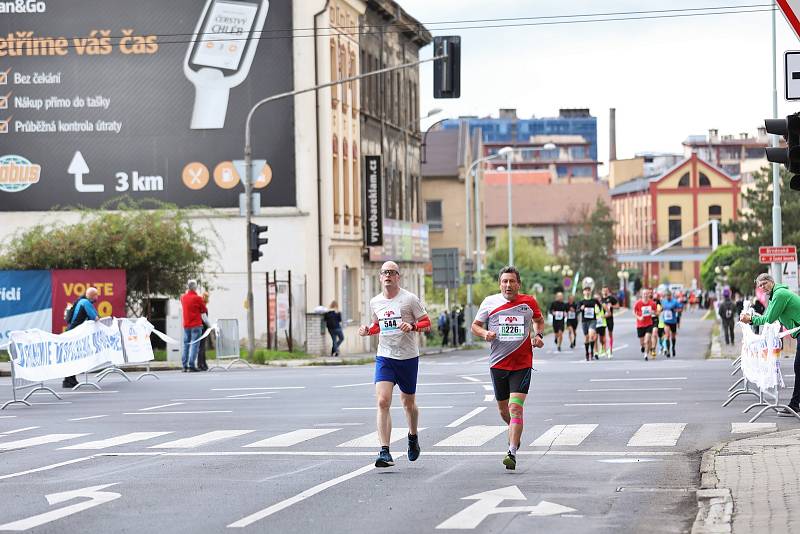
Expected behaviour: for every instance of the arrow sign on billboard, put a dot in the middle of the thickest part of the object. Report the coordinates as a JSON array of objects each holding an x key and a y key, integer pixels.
[
  {"x": 78, "y": 168},
  {"x": 487, "y": 504},
  {"x": 93, "y": 493}
]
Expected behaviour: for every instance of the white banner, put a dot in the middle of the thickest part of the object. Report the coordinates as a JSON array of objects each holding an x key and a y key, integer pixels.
[
  {"x": 136, "y": 340},
  {"x": 40, "y": 355},
  {"x": 761, "y": 355}
]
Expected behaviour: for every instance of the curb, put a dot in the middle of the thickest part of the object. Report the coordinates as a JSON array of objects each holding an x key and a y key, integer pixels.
[{"x": 714, "y": 505}]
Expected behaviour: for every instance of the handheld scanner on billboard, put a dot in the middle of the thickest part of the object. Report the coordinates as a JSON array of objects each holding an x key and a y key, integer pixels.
[{"x": 220, "y": 55}]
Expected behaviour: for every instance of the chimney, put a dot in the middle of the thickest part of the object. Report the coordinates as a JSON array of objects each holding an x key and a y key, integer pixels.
[
  {"x": 743, "y": 135},
  {"x": 612, "y": 134},
  {"x": 762, "y": 133},
  {"x": 508, "y": 113},
  {"x": 713, "y": 135}
]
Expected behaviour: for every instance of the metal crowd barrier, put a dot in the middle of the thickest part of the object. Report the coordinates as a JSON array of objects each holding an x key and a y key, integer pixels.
[{"x": 228, "y": 347}]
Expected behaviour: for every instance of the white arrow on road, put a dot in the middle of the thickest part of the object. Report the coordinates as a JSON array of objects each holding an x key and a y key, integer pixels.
[
  {"x": 93, "y": 493},
  {"x": 78, "y": 168},
  {"x": 472, "y": 515}
]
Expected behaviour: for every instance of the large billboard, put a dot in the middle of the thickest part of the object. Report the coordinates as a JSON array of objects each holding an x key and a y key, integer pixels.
[{"x": 142, "y": 98}]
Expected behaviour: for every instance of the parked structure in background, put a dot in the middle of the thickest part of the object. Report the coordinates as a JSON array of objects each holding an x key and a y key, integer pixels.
[
  {"x": 543, "y": 213},
  {"x": 509, "y": 130},
  {"x": 450, "y": 154},
  {"x": 738, "y": 156},
  {"x": 651, "y": 211},
  {"x": 569, "y": 161}
]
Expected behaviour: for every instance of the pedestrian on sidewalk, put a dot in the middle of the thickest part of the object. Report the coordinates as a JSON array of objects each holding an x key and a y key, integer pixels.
[
  {"x": 82, "y": 311},
  {"x": 397, "y": 316},
  {"x": 784, "y": 306},
  {"x": 333, "y": 321},
  {"x": 727, "y": 314},
  {"x": 193, "y": 307},
  {"x": 201, "y": 349},
  {"x": 444, "y": 326},
  {"x": 514, "y": 325}
]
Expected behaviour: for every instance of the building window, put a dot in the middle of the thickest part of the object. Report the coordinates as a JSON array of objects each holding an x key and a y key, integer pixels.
[
  {"x": 675, "y": 228},
  {"x": 433, "y": 215},
  {"x": 349, "y": 294},
  {"x": 676, "y": 266},
  {"x": 715, "y": 212},
  {"x": 356, "y": 188},
  {"x": 704, "y": 181},
  {"x": 334, "y": 70},
  {"x": 684, "y": 181},
  {"x": 346, "y": 186},
  {"x": 537, "y": 240}
]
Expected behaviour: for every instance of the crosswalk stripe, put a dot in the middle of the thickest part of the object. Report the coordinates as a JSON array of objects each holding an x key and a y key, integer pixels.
[
  {"x": 657, "y": 435},
  {"x": 293, "y": 438},
  {"x": 201, "y": 439},
  {"x": 116, "y": 440},
  {"x": 371, "y": 440},
  {"x": 7, "y": 432},
  {"x": 39, "y": 440},
  {"x": 472, "y": 436},
  {"x": 568, "y": 435},
  {"x": 748, "y": 428}
]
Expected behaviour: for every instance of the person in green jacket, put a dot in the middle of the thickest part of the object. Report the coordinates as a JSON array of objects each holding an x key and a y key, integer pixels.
[{"x": 784, "y": 306}]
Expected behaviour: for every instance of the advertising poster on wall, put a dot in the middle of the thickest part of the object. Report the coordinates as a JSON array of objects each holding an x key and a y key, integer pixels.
[
  {"x": 68, "y": 285},
  {"x": 143, "y": 99},
  {"x": 25, "y": 301}
]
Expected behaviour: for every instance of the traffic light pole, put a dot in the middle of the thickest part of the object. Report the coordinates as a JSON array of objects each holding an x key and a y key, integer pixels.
[
  {"x": 248, "y": 182},
  {"x": 777, "y": 230}
]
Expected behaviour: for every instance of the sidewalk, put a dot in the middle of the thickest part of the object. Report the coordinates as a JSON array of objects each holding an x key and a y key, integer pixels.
[
  {"x": 750, "y": 484},
  {"x": 348, "y": 359}
]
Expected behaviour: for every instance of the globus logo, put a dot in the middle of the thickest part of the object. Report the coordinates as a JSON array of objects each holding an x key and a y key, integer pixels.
[{"x": 17, "y": 173}]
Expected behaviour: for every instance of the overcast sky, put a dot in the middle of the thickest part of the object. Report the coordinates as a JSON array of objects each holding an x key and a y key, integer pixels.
[{"x": 668, "y": 78}]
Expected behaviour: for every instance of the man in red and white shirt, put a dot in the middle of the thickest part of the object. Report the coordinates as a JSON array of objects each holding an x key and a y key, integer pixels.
[
  {"x": 645, "y": 311},
  {"x": 509, "y": 317}
]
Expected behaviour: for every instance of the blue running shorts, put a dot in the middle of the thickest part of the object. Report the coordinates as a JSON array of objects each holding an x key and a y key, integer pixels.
[{"x": 400, "y": 372}]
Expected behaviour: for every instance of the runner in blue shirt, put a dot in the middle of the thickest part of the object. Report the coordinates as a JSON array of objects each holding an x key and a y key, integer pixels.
[{"x": 671, "y": 308}]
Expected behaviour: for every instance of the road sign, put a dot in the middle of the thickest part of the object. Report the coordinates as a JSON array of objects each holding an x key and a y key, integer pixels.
[
  {"x": 791, "y": 10},
  {"x": 791, "y": 69},
  {"x": 777, "y": 254},
  {"x": 445, "y": 267}
]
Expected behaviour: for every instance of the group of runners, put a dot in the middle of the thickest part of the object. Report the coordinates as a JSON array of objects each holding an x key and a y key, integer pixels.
[
  {"x": 513, "y": 324},
  {"x": 596, "y": 314}
]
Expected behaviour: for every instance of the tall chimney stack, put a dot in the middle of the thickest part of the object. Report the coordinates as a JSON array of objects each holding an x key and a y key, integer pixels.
[{"x": 612, "y": 135}]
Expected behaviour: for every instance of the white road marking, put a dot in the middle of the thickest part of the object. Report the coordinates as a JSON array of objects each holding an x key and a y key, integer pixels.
[
  {"x": 473, "y": 436},
  {"x": 400, "y": 408},
  {"x": 257, "y": 389},
  {"x": 657, "y": 435},
  {"x": 160, "y": 406},
  {"x": 354, "y": 385},
  {"x": 277, "y": 507},
  {"x": 470, "y": 378},
  {"x": 747, "y": 428},
  {"x": 201, "y": 439},
  {"x": 7, "y": 416},
  {"x": 39, "y": 440},
  {"x": 463, "y": 418},
  {"x": 637, "y": 379},
  {"x": 482, "y": 359},
  {"x": 488, "y": 388},
  {"x": 442, "y": 393},
  {"x": 371, "y": 440},
  {"x": 249, "y": 394},
  {"x": 206, "y": 399},
  {"x": 623, "y": 404},
  {"x": 89, "y": 417},
  {"x": 45, "y": 468},
  {"x": 7, "y": 432},
  {"x": 566, "y": 435},
  {"x": 372, "y": 453},
  {"x": 629, "y": 389},
  {"x": 488, "y": 398},
  {"x": 629, "y": 460},
  {"x": 93, "y": 493},
  {"x": 293, "y": 438},
  {"x": 177, "y": 413},
  {"x": 339, "y": 424},
  {"x": 117, "y": 440}
]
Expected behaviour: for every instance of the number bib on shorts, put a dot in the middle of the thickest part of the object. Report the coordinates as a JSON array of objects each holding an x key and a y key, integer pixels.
[
  {"x": 511, "y": 328},
  {"x": 390, "y": 321}
]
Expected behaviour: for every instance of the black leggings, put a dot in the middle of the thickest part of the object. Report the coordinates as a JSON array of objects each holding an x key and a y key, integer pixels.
[{"x": 795, "y": 402}]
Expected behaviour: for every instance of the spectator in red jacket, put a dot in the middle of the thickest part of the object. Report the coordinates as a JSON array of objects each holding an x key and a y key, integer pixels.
[{"x": 193, "y": 310}]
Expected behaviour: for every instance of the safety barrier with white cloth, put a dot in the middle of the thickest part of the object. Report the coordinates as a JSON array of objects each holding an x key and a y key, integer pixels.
[{"x": 760, "y": 366}]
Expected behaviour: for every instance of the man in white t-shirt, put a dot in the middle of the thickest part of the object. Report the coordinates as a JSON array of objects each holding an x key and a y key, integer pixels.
[{"x": 396, "y": 315}]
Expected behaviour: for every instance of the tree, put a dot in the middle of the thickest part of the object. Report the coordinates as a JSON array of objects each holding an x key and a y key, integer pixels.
[
  {"x": 753, "y": 227},
  {"x": 159, "y": 249},
  {"x": 724, "y": 256},
  {"x": 591, "y": 249}
]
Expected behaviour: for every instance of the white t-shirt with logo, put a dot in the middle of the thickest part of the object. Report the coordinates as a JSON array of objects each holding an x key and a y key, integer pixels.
[{"x": 389, "y": 313}]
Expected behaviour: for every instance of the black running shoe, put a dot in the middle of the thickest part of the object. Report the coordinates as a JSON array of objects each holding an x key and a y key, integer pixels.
[
  {"x": 384, "y": 459},
  {"x": 413, "y": 448},
  {"x": 510, "y": 461}
]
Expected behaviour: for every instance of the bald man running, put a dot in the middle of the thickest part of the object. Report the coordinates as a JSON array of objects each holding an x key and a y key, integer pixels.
[{"x": 397, "y": 315}]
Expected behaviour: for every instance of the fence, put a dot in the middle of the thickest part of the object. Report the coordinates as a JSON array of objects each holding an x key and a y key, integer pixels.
[
  {"x": 759, "y": 364},
  {"x": 228, "y": 346}
]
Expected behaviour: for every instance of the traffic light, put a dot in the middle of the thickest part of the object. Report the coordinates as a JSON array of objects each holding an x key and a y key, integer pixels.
[
  {"x": 447, "y": 71},
  {"x": 256, "y": 240},
  {"x": 789, "y": 129}
]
